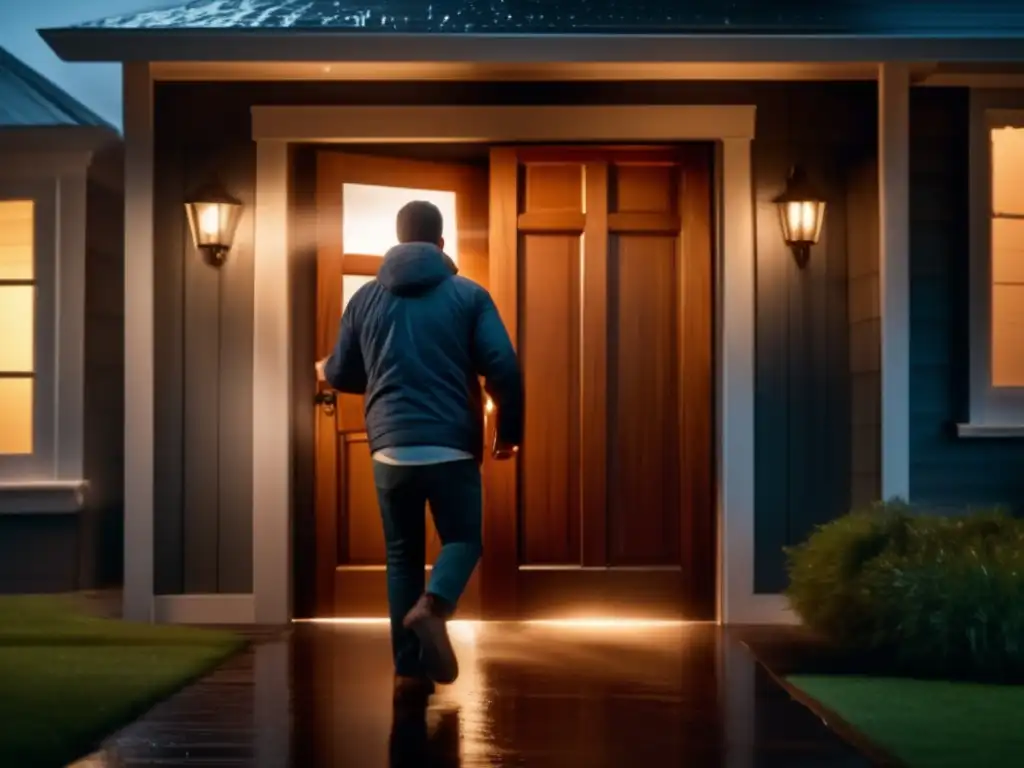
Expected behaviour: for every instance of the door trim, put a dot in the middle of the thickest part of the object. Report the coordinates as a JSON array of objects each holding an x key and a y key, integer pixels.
[{"x": 732, "y": 127}]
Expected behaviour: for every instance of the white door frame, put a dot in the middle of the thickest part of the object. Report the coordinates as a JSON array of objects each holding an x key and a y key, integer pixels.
[{"x": 732, "y": 127}]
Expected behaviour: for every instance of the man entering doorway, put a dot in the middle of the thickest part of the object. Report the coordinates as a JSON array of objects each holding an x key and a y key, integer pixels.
[{"x": 415, "y": 341}]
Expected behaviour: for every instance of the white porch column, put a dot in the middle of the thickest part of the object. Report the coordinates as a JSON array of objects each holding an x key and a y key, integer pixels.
[
  {"x": 894, "y": 275},
  {"x": 138, "y": 344},
  {"x": 272, "y": 398}
]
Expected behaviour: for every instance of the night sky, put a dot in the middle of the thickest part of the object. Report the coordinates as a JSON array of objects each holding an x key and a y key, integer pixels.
[{"x": 98, "y": 86}]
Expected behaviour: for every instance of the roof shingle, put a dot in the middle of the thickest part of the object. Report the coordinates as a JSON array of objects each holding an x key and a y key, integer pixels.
[
  {"x": 855, "y": 17},
  {"x": 29, "y": 100}
]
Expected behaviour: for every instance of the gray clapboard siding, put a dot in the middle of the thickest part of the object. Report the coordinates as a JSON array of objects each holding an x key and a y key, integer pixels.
[
  {"x": 865, "y": 335},
  {"x": 204, "y": 379},
  {"x": 103, "y": 396},
  {"x": 945, "y": 470}
]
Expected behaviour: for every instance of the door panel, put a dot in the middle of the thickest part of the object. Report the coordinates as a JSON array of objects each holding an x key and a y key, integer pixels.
[
  {"x": 363, "y": 530},
  {"x": 601, "y": 266},
  {"x": 550, "y": 468},
  {"x": 643, "y": 425},
  {"x": 357, "y": 199}
]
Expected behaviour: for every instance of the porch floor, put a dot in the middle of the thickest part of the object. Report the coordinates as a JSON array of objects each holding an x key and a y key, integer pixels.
[{"x": 529, "y": 695}]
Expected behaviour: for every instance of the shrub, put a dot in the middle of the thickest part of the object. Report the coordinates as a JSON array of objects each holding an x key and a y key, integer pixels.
[{"x": 933, "y": 593}]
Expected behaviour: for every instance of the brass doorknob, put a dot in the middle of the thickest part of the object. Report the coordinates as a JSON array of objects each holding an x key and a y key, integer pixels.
[{"x": 326, "y": 400}]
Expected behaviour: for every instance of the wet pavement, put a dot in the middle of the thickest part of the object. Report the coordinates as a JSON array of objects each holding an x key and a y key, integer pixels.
[{"x": 529, "y": 695}]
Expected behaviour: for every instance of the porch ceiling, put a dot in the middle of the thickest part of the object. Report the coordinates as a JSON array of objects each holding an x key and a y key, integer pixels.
[{"x": 522, "y": 72}]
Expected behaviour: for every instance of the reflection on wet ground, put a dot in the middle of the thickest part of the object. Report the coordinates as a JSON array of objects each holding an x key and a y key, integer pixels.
[{"x": 529, "y": 695}]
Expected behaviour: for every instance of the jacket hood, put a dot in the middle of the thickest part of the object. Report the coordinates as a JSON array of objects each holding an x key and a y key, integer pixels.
[{"x": 412, "y": 269}]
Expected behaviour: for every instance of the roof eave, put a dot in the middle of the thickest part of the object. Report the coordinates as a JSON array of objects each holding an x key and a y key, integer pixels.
[
  {"x": 64, "y": 138},
  {"x": 134, "y": 45}
]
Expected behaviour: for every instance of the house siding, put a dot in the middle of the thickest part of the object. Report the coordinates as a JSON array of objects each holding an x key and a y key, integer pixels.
[
  {"x": 945, "y": 470},
  {"x": 43, "y": 551},
  {"x": 39, "y": 553},
  {"x": 865, "y": 314},
  {"x": 203, "y": 368},
  {"x": 204, "y": 396},
  {"x": 103, "y": 419}
]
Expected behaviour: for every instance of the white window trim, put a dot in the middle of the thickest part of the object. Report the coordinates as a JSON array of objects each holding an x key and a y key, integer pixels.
[
  {"x": 38, "y": 464},
  {"x": 993, "y": 412},
  {"x": 50, "y": 479}
]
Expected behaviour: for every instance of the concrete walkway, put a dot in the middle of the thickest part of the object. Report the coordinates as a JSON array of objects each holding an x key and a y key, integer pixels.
[{"x": 529, "y": 695}]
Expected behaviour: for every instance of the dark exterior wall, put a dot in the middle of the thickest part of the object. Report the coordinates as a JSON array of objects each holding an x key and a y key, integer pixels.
[
  {"x": 103, "y": 420},
  {"x": 946, "y": 470},
  {"x": 865, "y": 334},
  {"x": 803, "y": 387},
  {"x": 203, "y": 525},
  {"x": 203, "y": 520},
  {"x": 40, "y": 553}
]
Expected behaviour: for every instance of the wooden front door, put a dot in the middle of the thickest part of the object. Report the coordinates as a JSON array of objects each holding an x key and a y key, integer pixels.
[
  {"x": 601, "y": 265},
  {"x": 358, "y": 197}
]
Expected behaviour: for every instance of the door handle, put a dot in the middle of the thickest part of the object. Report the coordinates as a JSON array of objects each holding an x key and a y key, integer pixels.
[{"x": 326, "y": 400}]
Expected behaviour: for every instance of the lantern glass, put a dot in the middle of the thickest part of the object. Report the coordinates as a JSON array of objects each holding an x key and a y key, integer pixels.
[
  {"x": 213, "y": 222},
  {"x": 801, "y": 221}
]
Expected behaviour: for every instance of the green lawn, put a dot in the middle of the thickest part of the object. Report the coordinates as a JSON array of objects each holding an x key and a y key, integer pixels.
[
  {"x": 68, "y": 679},
  {"x": 928, "y": 724}
]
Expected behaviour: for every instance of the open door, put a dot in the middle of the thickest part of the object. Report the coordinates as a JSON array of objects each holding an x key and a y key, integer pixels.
[
  {"x": 601, "y": 266},
  {"x": 358, "y": 197}
]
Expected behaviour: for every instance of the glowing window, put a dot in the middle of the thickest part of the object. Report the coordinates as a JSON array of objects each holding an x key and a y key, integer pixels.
[
  {"x": 1007, "y": 230},
  {"x": 349, "y": 285},
  {"x": 369, "y": 211},
  {"x": 17, "y": 325}
]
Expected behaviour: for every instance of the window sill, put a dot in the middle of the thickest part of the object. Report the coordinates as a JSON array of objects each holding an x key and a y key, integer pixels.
[
  {"x": 42, "y": 497},
  {"x": 990, "y": 431}
]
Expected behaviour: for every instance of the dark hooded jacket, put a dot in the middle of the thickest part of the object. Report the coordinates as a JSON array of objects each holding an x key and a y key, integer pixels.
[{"x": 415, "y": 342}]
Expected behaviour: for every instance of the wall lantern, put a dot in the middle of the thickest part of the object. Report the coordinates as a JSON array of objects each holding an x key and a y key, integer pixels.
[
  {"x": 213, "y": 217},
  {"x": 801, "y": 213}
]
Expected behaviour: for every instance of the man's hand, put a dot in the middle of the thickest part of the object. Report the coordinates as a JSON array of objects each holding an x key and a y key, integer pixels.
[
  {"x": 503, "y": 451},
  {"x": 320, "y": 369}
]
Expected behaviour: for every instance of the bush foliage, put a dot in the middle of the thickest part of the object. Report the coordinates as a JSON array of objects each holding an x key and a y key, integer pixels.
[{"x": 933, "y": 593}]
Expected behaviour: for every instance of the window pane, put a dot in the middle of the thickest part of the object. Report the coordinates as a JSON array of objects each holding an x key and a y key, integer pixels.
[
  {"x": 1008, "y": 250},
  {"x": 369, "y": 211},
  {"x": 17, "y": 233},
  {"x": 349, "y": 285},
  {"x": 15, "y": 416},
  {"x": 1007, "y": 170},
  {"x": 17, "y": 305},
  {"x": 1007, "y": 335}
]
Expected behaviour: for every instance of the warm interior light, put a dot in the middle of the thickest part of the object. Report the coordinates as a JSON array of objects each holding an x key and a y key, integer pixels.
[
  {"x": 213, "y": 217},
  {"x": 17, "y": 328},
  {"x": 608, "y": 623},
  {"x": 209, "y": 222},
  {"x": 801, "y": 215},
  {"x": 349, "y": 285},
  {"x": 16, "y": 405},
  {"x": 17, "y": 325},
  {"x": 803, "y": 221},
  {"x": 17, "y": 236},
  {"x": 467, "y": 626},
  {"x": 214, "y": 223},
  {"x": 489, "y": 406},
  {"x": 369, "y": 212},
  {"x": 1007, "y": 253}
]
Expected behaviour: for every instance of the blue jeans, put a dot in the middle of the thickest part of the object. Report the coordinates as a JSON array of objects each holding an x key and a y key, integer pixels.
[{"x": 456, "y": 501}]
